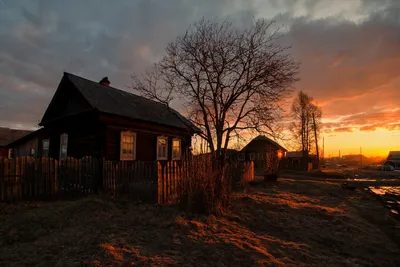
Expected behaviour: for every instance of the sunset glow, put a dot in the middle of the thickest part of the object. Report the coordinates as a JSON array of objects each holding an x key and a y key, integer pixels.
[{"x": 373, "y": 143}]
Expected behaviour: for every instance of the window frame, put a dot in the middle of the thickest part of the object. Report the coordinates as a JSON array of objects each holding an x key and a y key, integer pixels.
[
  {"x": 241, "y": 156},
  {"x": 252, "y": 156},
  {"x": 180, "y": 149},
  {"x": 127, "y": 157},
  {"x": 166, "y": 148},
  {"x": 44, "y": 148},
  {"x": 63, "y": 141}
]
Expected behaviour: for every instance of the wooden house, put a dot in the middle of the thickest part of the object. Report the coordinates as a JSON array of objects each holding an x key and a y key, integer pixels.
[
  {"x": 87, "y": 118},
  {"x": 265, "y": 152},
  {"x": 28, "y": 145},
  {"x": 393, "y": 159},
  {"x": 293, "y": 160},
  {"x": 7, "y": 136}
]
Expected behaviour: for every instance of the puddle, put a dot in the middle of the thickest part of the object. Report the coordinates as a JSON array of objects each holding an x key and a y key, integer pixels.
[
  {"x": 394, "y": 212},
  {"x": 391, "y": 196},
  {"x": 383, "y": 190},
  {"x": 372, "y": 180},
  {"x": 362, "y": 179}
]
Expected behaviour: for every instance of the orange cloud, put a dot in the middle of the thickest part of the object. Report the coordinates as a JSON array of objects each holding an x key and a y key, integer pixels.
[
  {"x": 354, "y": 77},
  {"x": 368, "y": 128},
  {"x": 343, "y": 130},
  {"x": 367, "y": 121}
]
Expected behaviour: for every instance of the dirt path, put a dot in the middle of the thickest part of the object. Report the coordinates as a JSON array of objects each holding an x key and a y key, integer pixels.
[{"x": 290, "y": 223}]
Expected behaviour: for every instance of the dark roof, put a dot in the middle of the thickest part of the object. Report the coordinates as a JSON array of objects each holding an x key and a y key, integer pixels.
[
  {"x": 111, "y": 100},
  {"x": 294, "y": 154},
  {"x": 298, "y": 154},
  {"x": 8, "y": 135},
  {"x": 266, "y": 139},
  {"x": 394, "y": 155},
  {"x": 394, "y": 161},
  {"x": 26, "y": 137}
]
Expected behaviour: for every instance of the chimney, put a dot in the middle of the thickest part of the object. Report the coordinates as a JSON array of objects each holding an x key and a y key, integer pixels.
[{"x": 105, "y": 81}]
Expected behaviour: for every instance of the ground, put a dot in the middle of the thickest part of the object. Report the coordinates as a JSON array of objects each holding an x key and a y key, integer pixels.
[{"x": 289, "y": 223}]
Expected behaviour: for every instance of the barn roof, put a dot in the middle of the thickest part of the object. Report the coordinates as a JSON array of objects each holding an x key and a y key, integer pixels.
[
  {"x": 114, "y": 101},
  {"x": 394, "y": 155},
  {"x": 263, "y": 138},
  {"x": 298, "y": 154},
  {"x": 8, "y": 135}
]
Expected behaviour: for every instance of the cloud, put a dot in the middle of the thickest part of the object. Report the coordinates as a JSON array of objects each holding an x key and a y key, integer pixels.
[
  {"x": 349, "y": 49},
  {"x": 350, "y": 65},
  {"x": 369, "y": 120},
  {"x": 41, "y": 39},
  {"x": 343, "y": 130}
]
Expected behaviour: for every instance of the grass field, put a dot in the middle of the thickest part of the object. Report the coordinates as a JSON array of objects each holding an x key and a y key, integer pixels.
[{"x": 290, "y": 223}]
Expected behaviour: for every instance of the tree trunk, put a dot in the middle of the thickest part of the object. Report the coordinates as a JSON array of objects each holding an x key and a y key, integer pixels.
[{"x": 316, "y": 140}]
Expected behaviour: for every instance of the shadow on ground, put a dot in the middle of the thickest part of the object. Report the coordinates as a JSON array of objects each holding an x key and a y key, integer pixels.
[{"x": 290, "y": 223}]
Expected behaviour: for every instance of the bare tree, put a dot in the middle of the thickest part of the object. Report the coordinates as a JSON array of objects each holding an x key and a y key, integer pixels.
[
  {"x": 306, "y": 123},
  {"x": 229, "y": 80}
]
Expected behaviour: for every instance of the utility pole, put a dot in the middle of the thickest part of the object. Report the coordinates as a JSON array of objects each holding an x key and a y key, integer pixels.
[{"x": 316, "y": 139}]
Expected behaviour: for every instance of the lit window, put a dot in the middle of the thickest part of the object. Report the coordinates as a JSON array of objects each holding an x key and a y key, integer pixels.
[
  {"x": 128, "y": 146},
  {"x": 10, "y": 153},
  {"x": 63, "y": 146},
  {"x": 162, "y": 148},
  {"x": 176, "y": 149},
  {"x": 32, "y": 152},
  {"x": 46, "y": 146}
]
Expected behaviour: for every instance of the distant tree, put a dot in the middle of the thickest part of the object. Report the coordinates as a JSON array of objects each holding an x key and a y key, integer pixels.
[
  {"x": 229, "y": 80},
  {"x": 306, "y": 123}
]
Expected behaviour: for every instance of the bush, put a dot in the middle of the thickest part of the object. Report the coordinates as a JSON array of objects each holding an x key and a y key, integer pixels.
[
  {"x": 204, "y": 188},
  {"x": 239, "y": 175}
]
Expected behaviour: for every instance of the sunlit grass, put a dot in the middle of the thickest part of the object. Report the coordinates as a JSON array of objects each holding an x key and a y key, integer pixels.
[{"x": 289, "y": 223}]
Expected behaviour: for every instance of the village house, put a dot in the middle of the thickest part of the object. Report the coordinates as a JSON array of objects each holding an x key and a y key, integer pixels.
[
  {"x": 87, "y": 118},
  {"x": 393, "y": 159},
  {"x": 7, "y": 136},
  {"x": 264, "y": 152},
  {"x": 293, "y": 161}
]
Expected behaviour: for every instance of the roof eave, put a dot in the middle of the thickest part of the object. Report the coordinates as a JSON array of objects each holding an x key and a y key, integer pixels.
[{"x": 146, "y": 121}]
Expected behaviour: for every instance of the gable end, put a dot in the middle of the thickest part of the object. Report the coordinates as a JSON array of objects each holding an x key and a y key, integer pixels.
[{"x": 66, "y": 101}]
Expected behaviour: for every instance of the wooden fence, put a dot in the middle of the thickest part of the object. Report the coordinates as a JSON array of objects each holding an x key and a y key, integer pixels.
[
  {"x": 27, "y": 178},
  {"x": 169, "y": 175},
  {"x": 135, "y": 178}
]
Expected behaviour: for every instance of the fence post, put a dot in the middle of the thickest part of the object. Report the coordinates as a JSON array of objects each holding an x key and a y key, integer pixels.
[{"x": 159, "y": 183}]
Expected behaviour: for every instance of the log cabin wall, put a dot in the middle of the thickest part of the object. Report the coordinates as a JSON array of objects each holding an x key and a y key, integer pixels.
[
  {"x": 85, "y": 137},
  {"x": 146, "y": 138}
]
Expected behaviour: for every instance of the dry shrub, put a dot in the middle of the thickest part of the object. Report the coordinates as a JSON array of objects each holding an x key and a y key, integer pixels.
[
  {"x": 204, "y": 188},
  {"x": 238, "y": 175}
]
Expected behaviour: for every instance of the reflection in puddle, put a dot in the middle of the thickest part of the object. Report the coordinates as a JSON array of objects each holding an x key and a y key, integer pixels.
[
  {"x": 383, "y": 190},
  {"x": 394, "y": 211},
  {"x": 391, "y": 195},
  {"x": 372, "y": 180}
]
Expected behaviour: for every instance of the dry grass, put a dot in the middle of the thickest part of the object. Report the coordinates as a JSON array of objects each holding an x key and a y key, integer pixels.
[{"x": 290, "y": 223}]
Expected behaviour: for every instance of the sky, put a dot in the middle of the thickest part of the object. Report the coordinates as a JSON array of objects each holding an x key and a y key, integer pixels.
[{"x": 349, "y": 52}]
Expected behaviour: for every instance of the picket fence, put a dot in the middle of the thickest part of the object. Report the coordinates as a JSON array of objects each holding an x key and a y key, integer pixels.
[{"x": 27, "y": 178}]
